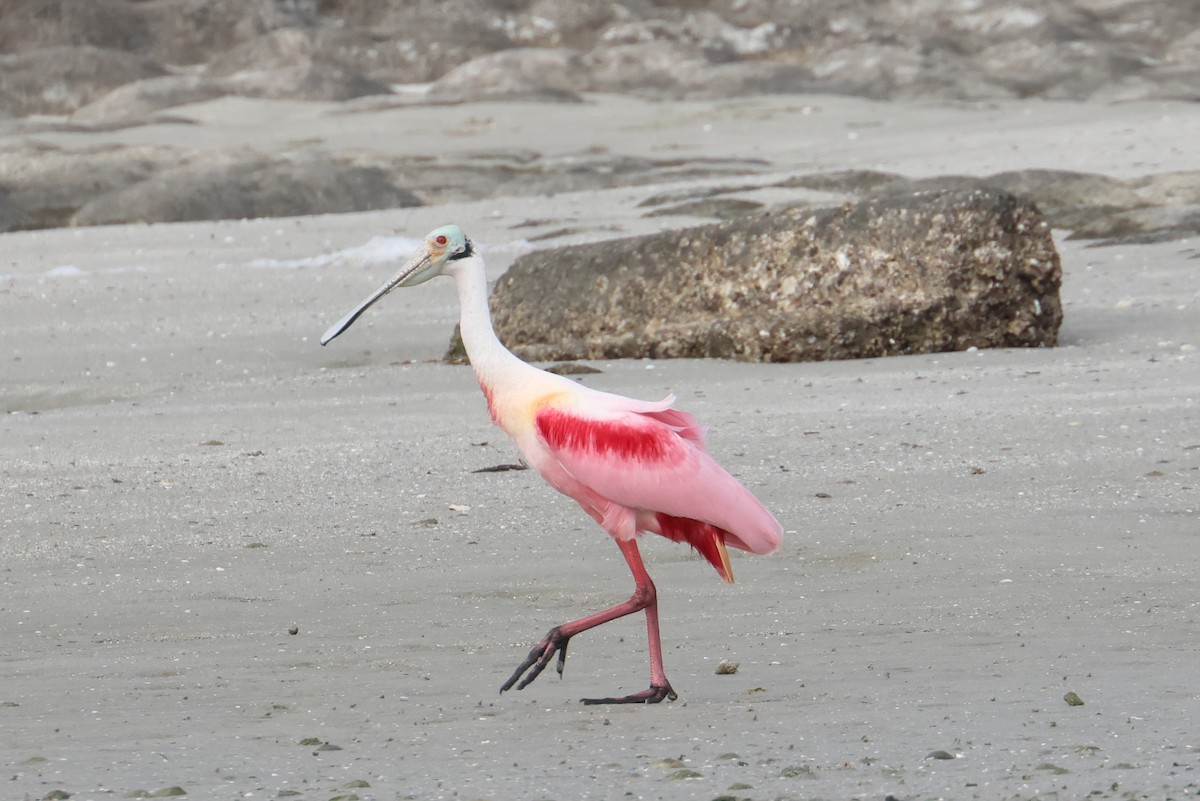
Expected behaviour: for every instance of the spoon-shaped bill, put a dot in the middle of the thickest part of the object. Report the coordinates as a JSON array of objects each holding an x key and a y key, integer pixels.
[{"x": 414, "y": 266}]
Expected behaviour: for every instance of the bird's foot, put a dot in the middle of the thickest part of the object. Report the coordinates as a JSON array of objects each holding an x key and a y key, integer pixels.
[
  {"x": 539, "y": 657},
  {"x": 656, "y": 693}
]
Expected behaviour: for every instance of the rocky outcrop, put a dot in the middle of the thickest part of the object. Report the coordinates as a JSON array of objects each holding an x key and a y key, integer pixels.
[
  {"x": 45, "y": 186},
  {"x": 914, "y": 273},
  {"x": 87, "y": 66},
  {"x": 247, "y": 189},
  {"x": 519, "y": 74},
  {"x": 58, "y": 80},
  {"x": 492, "y": 49},
  {"x": 42, "y": 186},
  {"x": 1149, "y": 208},
  {"x": 136, "y": 101}
]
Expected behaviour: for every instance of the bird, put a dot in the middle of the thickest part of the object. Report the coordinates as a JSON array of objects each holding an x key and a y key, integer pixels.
[{"x": 635, "y": 466}]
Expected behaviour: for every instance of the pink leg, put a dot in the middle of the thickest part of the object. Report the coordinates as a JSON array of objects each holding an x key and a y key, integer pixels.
[{"x": 644, "y": 597}]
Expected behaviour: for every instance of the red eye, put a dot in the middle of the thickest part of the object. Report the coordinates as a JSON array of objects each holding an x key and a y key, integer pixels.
[{"x": 441, "y": 239}]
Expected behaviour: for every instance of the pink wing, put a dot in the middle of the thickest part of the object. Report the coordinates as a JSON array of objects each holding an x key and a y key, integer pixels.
[{"x": 651, "y": 460}]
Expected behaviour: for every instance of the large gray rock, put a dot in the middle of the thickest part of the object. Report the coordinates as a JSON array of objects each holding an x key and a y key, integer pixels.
[
  {"x": 58, "y": 80},
  {"x": 921, "y": 273},
  {"x": 258, "y": 188},
  {"x": 136, "y": 101},
  {"x": 524, "y": 73},
  {"x": 47, "y": 184}
]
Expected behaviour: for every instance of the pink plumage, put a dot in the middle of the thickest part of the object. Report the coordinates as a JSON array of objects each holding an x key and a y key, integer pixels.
[
  {"x": 654, "y": 465},
  {"x": 634, "y": 466}
]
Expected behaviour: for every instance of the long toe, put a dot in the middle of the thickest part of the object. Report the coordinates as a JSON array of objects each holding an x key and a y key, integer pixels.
[
  {"x": 653, "y": 695},
  {"x": 540, "y": 656}
]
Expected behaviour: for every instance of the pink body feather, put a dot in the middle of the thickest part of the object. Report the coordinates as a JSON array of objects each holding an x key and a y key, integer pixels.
[{"x": 648, "y": 470}]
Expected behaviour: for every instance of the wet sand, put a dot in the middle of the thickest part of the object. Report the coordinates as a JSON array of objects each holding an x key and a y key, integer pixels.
[{"x": 186, "y": 475}]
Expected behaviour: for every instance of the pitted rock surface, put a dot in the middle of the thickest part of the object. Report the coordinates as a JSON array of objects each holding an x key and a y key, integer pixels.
[{"x": 921, "y": 273}]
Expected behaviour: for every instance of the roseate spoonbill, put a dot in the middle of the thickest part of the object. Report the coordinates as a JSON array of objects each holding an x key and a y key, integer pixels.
[{"x": 633, "y": 465}]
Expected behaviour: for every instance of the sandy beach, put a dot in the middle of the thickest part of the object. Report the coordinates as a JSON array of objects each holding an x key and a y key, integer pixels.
[{"x": 186, "y": 475}]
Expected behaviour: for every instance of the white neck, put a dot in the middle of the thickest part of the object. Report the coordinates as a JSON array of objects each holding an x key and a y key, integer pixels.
[{"x": 489, "y": 358}]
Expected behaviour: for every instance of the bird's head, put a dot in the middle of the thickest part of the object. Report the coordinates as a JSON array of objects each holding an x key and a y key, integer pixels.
[{"x": 441, "y": 247}]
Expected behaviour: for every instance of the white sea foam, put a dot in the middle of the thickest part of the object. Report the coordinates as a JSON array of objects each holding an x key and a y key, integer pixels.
[
  {"x": 65, "y": 271},
  {"x": 377, "y": 250},
  {"x": 68, "y": 271}
]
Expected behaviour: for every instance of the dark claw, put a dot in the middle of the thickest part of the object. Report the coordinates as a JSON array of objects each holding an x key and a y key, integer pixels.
[
  {"x": 656, "y": 693},
  {"x": 539, "y": 657},
  {"x": 562, "y": 656}
]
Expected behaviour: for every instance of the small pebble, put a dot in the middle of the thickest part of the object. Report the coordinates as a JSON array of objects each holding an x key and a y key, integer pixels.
[
  {"x": 798, "y": 772},
  {"x": 727, "y": 668},
  {"x": 1073, "y": 699},
  {"x": 1052, "y": 768}
]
